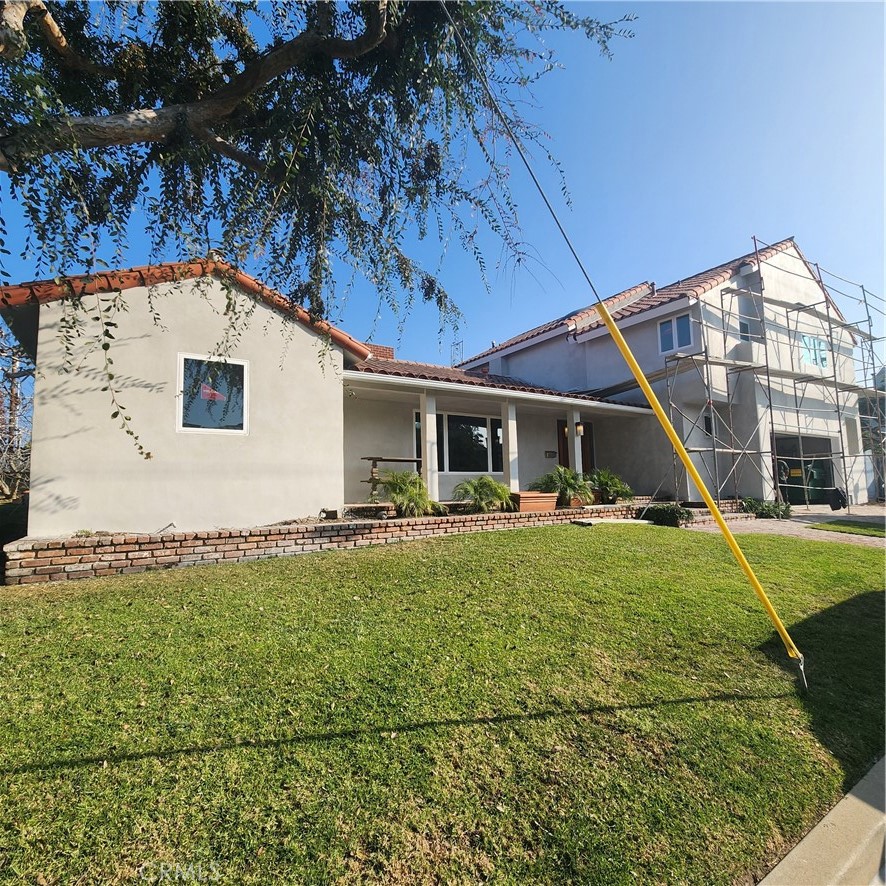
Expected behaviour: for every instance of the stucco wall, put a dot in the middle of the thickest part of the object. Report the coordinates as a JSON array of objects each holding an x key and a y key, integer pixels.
[
  {"x": 639, "y": 452},
  {"x": 375, "y": 427},
  {"x": 85, "y": 472}
]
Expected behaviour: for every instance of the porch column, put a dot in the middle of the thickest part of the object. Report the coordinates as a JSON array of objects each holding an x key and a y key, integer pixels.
[
  {"x": 509, "y": 446},
  {"x": 574, "y": 440},
  {"x": 429, "y": 473}
]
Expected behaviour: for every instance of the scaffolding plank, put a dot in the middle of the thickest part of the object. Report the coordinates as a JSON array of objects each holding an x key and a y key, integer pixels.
[{"x": 813, "y": 311}]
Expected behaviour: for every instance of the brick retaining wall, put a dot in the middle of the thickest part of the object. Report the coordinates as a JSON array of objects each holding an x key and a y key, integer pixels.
[{"x": 65, "y": 559}]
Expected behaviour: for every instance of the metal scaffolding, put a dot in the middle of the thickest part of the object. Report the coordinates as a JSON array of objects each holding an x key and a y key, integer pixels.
[{"x": 789, "y": 399}]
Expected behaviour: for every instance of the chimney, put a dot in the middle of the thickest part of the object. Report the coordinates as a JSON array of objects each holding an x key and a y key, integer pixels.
[{"x": 381, "y": 352}]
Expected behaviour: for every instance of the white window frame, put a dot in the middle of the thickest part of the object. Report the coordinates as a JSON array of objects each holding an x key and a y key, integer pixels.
[
  {"x": 179, "y": 396},
  {"x": 444, "y": 443},
  {"x": 672, "y": 322}
]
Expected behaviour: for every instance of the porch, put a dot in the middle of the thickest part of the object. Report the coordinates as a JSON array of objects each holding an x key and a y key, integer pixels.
[{"x": 451, "y": 432}]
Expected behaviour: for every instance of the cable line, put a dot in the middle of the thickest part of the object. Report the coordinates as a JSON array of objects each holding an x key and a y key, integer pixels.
[{"x": 624, "y": 349}]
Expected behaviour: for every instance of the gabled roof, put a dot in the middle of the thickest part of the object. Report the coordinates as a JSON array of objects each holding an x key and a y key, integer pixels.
[
  {"x": 43, "y": 291},
  {"x": 566, "y": 323},
  {"x": 473, "y": 378},
  {"x": 645, "y": 297}
]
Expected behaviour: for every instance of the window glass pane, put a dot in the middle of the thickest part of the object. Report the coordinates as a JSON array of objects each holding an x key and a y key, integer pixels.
[
  {"x": 684, "y": 333},
  {"x": 814, "y": 351},
  {"x": 744, "y": 330},
  {"x": 666, "y": 335},
  {"x": 468, "y": 444},
  {"x": 417, "y": 422},
  {"x": 212, "y": 395},
  {"x": 440, "y": 452},
  {"x": 497, "y": 465}
]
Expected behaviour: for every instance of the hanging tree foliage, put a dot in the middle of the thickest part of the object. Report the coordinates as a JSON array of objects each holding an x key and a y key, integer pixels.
[{"x": 295, "y": 139}]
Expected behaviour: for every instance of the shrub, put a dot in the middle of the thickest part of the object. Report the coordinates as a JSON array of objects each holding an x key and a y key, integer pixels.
[
  {"x": 668, "y": 514},
  {"x": 409, "y": 495},
  {"x": 611, "y": 486},
  {"x": 484, "y": 494},
  {"x": 766, "y": 510},
  {"x": 566, "y": 483}
]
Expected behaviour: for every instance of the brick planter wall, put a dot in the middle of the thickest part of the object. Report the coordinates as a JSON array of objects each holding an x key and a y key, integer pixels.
[{"x": 65, "y": 559}]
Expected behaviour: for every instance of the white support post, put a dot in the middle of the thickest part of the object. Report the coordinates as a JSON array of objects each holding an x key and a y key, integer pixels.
[
  {"x": 574, "y": 440},
  {"x": 429, "y": 472},
  {"x": 509, "y": 446}
]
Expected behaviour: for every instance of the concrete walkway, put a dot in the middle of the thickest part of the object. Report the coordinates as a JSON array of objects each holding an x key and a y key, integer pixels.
[
  {"x": 846, "y": 847},
  {"x": 798, "y": 525}
]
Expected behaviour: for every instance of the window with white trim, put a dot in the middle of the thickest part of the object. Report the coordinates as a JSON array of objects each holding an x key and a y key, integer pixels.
[
  {"x": 466, "y": 444},
  {"x": 814, "y": 351},
  {"x": 212, "y": 395},
  {"x": 673, "y": 333}
]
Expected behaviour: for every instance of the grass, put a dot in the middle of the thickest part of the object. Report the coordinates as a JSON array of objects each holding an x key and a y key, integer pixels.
[
  {"x": 853, "y": 527},
  {"x": 538, "y": 706}
]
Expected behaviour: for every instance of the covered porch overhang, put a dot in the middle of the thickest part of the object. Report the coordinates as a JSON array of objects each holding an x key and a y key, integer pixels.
[{"x": 525, "y": 433}]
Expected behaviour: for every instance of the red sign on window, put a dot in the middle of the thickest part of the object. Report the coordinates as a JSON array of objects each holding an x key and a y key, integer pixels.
[{"x": 208, "y": 393}]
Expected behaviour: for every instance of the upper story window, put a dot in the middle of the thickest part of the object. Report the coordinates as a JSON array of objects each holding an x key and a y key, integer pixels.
[
  {"x": 673, "y": 333},
  {"x": 213, "y": 395},
  {"x": 814, "y": 351}
]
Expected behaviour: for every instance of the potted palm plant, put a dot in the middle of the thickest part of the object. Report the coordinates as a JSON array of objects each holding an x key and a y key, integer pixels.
[
  {"x": 569, "y": 486},
  {"x": 610, "y": 485},
  {"x": 484, "y": 494}
]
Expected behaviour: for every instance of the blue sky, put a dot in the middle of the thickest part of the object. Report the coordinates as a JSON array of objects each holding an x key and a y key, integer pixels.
[{"x": 717, "y": 121}]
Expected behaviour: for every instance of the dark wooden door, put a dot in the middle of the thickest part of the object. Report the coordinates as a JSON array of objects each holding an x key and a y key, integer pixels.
[{"x": 587, "y": 446}]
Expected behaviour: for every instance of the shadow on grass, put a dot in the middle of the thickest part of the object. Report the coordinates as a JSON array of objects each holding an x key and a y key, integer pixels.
[
  {"x": 398, "y": 729},
  {"x": 845, "y": 667}
]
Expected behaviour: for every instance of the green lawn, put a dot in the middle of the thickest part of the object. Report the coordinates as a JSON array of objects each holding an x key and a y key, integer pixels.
[
  {"x": 853, "y": 527},
  {"x": 604, "y": 705}
]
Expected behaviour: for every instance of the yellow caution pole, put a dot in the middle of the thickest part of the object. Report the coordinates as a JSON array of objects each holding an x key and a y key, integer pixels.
[
  {"x": 680, "y": 449},
  {"x": 637, "y": 372}
]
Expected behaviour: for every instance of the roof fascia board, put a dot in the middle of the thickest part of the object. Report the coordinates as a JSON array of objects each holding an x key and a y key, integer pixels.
[
  {"x": 563, "y": 329},
  {"x": 420, "y": 384},
  {"x": 678, "y": 304}
]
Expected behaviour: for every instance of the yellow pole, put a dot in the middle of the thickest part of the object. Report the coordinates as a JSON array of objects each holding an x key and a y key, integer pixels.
[
  {"x": 617, "y": 337},
  {"x": 680, "y": 449}
]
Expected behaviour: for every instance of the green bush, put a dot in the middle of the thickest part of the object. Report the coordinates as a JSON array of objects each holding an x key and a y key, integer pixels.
[
  {"x": 566, "y": 483},
  {"x": 766, "y": 510},
  {"x": 484, "y": 494},
  {"x": 667, "y": 514},
  {"x": 409, "y": 495},
  {"x": 611, "y": 486}
]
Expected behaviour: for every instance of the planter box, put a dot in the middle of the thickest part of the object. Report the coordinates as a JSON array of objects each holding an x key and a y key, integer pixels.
[{"x": 534, "y": 501}]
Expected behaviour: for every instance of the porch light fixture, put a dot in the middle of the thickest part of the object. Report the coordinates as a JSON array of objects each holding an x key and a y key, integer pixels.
[{"x": 579, "y": 429}]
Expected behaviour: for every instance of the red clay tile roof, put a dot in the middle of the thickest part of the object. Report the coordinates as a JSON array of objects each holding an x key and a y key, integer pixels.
[
  {"x": 567, "y": 322},
  {"x": 645, "y": 297},
  {"x": 41, "y": 291},
  {"x": 475, "y": 378}
]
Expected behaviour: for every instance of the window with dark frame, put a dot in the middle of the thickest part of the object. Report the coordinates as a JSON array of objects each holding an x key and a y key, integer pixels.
[{"x": 473, "y": 443}]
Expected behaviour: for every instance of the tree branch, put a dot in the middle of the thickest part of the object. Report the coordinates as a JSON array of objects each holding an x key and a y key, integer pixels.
[
  {"x": 156, "y": 125},
  {"x": 14, "y": 43},
  {"x": 232, "y": 152}
]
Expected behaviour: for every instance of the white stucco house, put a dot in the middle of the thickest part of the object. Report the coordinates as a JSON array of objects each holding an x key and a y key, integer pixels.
[
  {"x": 754, "y": 361},
  {"x": 282, "y": 427},
  {"x": 278, "y": 430}
]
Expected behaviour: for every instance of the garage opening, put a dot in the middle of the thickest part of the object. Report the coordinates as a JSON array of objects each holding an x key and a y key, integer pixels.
[{"x": 805, "y": 469}]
